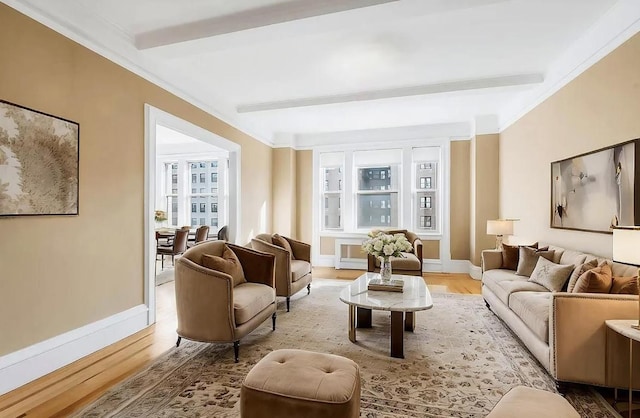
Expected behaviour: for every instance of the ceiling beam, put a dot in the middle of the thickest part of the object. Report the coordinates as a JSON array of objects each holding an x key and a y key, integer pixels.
[
  {"x": 426, "y": 89},
  {"x": 248, "y": 19}
]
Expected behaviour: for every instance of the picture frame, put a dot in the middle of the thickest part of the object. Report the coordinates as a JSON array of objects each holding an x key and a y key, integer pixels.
[
  {"x": 597, "y": 190},
  {"x": 39, "y": 163}
]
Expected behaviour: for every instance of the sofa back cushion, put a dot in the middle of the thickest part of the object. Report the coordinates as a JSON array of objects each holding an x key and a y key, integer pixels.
[
  {"x": 528, "y": 258},
  {"x": 551, "y": 275},
  {"x": 597, "y": 280},
  {"x": 511, "y": 255}
]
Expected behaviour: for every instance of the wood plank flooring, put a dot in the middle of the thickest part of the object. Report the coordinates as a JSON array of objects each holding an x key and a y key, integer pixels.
[{"x": 70, "y": 388}]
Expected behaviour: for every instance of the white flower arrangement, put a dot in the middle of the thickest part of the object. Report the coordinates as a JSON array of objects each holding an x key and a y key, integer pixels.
[{"x": 384, "y": 245}]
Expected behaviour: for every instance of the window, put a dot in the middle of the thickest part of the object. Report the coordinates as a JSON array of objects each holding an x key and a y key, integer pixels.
[
  {"x": 332, "y": 190},
  {"x": 214, "y": 222},
  {"x": 203, "y": 165},
  {"x": 202, "y": 177},
  {"x": 382, "y": 188},
  {"x": 203, "y": 221},
  {"x": 194, "y": 222},
  {"x": 194, "y": 190},
  {"x": 203, "y": 207},
  {"x": 193, "y": 207},
  {"x": 202, "y": 190},
  {"x": 194, "y": 178},
  {"x": 214, "y": 208},
  {"x": 170, "y": 192},
  {"x": 205, "y": 200},
  {"x": 214, "y": 177}
]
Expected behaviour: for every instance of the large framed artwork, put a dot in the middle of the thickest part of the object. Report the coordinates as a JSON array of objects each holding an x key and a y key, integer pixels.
[
  {"x": 597, "y": 190},
  {"x": 39, "y": 156}
]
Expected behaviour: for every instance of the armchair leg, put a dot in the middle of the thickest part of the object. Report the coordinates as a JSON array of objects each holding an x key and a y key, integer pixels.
[
  {"x": 162, "y": 263},
  {"x": 178, "y": 342},
  {"x": 173, "y": 263},
  {"x": 309, "y": 289},
  {"x": 236, "y": 350},
  {"x": 273, "y": 321},
  {"x": 288, "y": 303}
]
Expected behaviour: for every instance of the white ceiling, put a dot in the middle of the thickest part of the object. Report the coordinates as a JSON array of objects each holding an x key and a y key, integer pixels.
[
  {"x": 341, "y": 65},
  {"x": 170, "y": 142}
]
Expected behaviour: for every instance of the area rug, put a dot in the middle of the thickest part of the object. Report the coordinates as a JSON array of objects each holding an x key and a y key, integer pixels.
[{"x": 458, "y": 363}]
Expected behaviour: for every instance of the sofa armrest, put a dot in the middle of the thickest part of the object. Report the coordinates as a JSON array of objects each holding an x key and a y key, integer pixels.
[
  {"x": 578, "y": 335},
  {"x": 258, "y": 267},
  {"x": 301, "y": 250},
  {"x": 491, "y": 260}
]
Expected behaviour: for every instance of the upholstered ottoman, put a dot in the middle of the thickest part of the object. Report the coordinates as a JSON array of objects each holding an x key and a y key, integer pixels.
[
  {"x": 301, "y": 384},
  {"x": 524, "y": 402}
]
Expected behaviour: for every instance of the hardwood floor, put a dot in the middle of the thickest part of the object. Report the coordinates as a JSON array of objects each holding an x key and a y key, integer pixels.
[{"x": 67, "y": 390}]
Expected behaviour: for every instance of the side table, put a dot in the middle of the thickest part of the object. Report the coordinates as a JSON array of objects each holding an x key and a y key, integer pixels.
[{"x": 623, "y": 327}]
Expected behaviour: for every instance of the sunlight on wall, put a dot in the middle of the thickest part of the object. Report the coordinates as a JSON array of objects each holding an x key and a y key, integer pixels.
[{"x": 263, "y": 218}]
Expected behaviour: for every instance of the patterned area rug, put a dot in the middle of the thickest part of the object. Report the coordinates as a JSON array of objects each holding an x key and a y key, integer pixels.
[{"x": 458, "y": 363}]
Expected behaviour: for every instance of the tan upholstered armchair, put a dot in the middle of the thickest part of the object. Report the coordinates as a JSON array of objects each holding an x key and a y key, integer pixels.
[
  {"x": 214, "y": 306},
  {"x": 410, "y": 264},
  {"x": 293, "y": 264}
]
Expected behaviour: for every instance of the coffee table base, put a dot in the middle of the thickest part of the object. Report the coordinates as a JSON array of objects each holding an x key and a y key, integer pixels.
[{"x": 400, "y": 322}]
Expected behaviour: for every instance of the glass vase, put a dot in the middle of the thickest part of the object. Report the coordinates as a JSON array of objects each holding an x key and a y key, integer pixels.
[{"x": 385, "y": 269}]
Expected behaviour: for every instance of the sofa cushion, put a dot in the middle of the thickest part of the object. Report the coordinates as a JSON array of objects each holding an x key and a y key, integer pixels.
[
  {"x": 551, "y": 275},
  {"x": 597, "y": 280},
  {"x": 505, "y": 282},
  {"x": 529, "y": 258},
  {"x": 228, "y": 264},
  {"x": 572, "y": 257},
  {"x": 624, "y": 285},
  {"x": 579, "y": 271},
  {"x": 533, "y": 309},
  {"x": 249, "y": 299},
  {"x": 299, "y": 269},
  {"x": 409, "y": 261}
]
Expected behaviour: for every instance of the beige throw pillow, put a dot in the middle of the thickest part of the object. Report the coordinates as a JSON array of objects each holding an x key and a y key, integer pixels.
[
  {"x": 528, "y": 258},
  {"x": 597, "y": 280},
  {"x": 551, "y": 275},
  {"x": 579, "y": 271},
  {"x": 228, "y": 264},
  {"x": 283, "y": 243}
]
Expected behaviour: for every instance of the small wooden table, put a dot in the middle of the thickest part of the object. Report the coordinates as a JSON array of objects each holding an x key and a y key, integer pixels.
[
  {"x": 402, "y": 305},
  {"x": 623, "y": 327}
]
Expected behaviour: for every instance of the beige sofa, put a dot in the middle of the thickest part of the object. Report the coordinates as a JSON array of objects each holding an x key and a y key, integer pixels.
[{"x": 564, "y": 331}]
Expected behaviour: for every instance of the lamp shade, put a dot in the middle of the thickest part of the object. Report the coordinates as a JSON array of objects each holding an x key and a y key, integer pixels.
[
  {"x": 500, "y": 227},
  {"x": 626, "y": 245}
]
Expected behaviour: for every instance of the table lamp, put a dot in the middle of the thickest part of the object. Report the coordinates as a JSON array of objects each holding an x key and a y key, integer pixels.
[
  {"x": 500, "y": 227},
  {"x": 626, "y": 250}
]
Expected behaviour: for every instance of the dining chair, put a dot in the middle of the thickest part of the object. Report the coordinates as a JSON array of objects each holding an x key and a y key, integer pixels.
[
  {"x": 202, "y": 233},
  {"x": 177, "y": 247}
]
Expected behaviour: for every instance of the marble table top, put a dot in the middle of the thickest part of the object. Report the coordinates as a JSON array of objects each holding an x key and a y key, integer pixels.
[
  {"x": 414, "y": 297},
  {"x": 623, "y": 326}
]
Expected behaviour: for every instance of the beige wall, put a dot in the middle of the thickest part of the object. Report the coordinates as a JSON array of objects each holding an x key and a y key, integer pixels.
[
  {"x": 431, "y": 249},
  {"x": 60, "y": 273},
  {"x": 327, "y": 246},
  {"x": 304, "y": 195},
  {"x": 601, "y": 107},
  {"x": 284, "y": 192},
  {"x": 484, "y": 194},
  {"x": 460, "y": 210}
]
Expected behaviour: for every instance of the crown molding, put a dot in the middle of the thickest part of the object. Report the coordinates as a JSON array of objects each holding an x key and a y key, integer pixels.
[
  {"x": 615, "y": 27},
  {"x": 110, "y": 41}
]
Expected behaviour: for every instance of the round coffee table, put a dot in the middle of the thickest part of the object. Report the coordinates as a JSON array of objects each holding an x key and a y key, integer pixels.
[{"x": 402, "y": 305}]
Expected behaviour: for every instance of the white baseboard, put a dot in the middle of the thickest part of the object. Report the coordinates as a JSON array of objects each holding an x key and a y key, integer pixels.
[
  {"x": 459, "y": 266},
  {"x": 30, "y": 363},
  {"x": 475, "y": 272},
  {"x": 324, "y": 261},
  {"x": 431, "y": 265}
]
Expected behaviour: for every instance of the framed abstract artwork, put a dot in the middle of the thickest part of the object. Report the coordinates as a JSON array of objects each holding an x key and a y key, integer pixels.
[
  {"x": 597, "y": 190},
  {"x": 39, "y": 157}
]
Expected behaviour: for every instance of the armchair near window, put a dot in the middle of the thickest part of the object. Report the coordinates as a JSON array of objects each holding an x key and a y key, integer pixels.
[
  {"x": 293, "y": 263},
  {"x": 410, "y": 264},
  {"x": 223, "y": 304}
]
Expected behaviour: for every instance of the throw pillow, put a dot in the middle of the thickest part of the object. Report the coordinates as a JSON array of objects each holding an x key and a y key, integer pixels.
[
  {"x": 624, "y": 285},
  {"x": 597, "y": 280},
  {"x": 228, "y": 264},
  {"x": 528, "y": 258},
  {"x": 551, "y": 275},
  {"x": 283, "y": 243},
  {"x": 510, "y": 255},
  {"x": 579, "y": 271}
]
